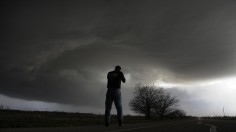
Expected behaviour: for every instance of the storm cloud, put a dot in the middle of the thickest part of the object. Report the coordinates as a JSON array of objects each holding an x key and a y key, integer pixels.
[{"x": 61, "y": 51}]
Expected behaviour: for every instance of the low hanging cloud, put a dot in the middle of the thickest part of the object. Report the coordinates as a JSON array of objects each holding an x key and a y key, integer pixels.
[{"x": 60, "y": 52}]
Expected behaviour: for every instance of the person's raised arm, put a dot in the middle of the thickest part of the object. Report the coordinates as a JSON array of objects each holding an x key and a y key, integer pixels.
[{"x": 123, "y": 78}]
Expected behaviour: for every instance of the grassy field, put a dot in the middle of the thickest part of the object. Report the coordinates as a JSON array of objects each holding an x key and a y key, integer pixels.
[{"x": 17, "y": 118}]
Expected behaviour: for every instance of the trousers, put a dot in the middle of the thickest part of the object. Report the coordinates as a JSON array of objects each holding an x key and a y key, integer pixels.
[{"x": 113, "y": 95}]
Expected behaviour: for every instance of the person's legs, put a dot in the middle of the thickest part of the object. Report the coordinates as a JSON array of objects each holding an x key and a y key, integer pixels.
[
  {"x": 117, "y": 101},
  {"x": 108, "y": 105}
]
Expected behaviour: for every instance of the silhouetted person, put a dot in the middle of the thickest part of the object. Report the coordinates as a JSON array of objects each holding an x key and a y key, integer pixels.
[{"x": 114, "y": 79}]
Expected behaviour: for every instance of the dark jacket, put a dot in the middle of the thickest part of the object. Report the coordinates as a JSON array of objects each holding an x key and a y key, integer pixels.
[{"x": 114, "y": 79}]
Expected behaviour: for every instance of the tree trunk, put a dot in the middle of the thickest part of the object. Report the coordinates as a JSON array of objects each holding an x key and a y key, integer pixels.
[{"x": 148, "y": 112}]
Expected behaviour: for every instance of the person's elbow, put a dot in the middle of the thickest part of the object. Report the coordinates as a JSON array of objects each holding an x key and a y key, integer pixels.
[{"x": 123, "y": 80}]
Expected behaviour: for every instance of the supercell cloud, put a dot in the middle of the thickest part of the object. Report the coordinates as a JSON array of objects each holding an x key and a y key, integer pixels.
[{"x": 60, "y": 51}]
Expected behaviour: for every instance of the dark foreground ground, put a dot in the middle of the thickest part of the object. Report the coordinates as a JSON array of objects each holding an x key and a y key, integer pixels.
[
  {"x": 38, "y": 121},
  {"x": 167, "y": 126},
  {"x": 27, "y": 119}
]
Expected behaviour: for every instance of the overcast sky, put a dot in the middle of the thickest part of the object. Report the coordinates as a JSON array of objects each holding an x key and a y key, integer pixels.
[{"x": 55, "y": 55}]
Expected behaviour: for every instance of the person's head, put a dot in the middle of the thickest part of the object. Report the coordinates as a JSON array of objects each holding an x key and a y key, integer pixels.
[{"x": 117, "y": 68}]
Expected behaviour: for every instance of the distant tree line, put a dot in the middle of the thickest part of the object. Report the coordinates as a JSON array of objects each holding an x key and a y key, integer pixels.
[
  {"x": 153, "y": 101},
  {"x": 2, "y": 107}
]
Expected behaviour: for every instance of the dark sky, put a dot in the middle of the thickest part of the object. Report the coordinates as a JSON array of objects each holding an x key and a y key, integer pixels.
[{"x": 60, "y": 51}]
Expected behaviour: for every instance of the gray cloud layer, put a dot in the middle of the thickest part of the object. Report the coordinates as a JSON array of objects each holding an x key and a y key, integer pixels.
[{"x": 61, "y": 51}]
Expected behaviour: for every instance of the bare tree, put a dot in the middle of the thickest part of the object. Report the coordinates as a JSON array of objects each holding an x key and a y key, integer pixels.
[
  {"x": 145, "y": 98},
  {"x": 166, "y": 104},
  {"x": 151, "y": 100}
]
